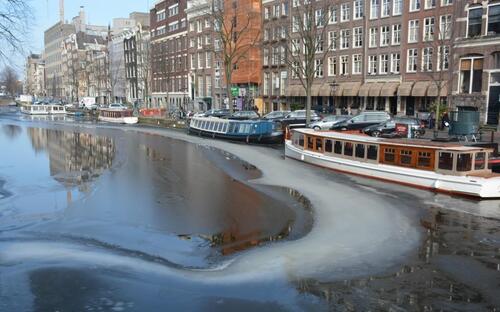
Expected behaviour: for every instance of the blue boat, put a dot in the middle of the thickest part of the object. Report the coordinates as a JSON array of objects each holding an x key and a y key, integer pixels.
[{"x": 249, "y": 131}]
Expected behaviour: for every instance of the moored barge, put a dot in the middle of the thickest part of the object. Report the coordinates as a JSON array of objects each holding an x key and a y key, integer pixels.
[
  {"x": 441, "y": 167},
  {"x": 123, "y": 116},
  {"x": 249, "y": 131}
]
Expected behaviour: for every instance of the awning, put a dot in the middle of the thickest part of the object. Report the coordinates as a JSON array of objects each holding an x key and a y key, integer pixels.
[
  {"x": 325, "y": 90},
  {"x": 375, "y": 89},
  {"x": 364, "y": 89},
  {"x": 420, "y": 88},
  {"x": 405, "y": 88},
  {"x": 433, "y": 89},
  {"x": 350, "y": 88},
  {"x": 315, "y": 90},
  {"x": 295, "y": 90},
  {"x": 389, "y": 89}
]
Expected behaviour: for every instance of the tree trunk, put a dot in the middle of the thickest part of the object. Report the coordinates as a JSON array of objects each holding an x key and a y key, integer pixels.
[
  {"x": 308, "y": 105},
  {"x": 438, "y": 108}
]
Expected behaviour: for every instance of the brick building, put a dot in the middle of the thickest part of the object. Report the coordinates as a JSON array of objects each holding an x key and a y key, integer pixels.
[
  {"x": 169, "y": 63},
  {"x": 476, "y": 54}
]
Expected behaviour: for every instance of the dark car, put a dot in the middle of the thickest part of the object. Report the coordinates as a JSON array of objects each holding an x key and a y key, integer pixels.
[
  {"x": 361, "y": 121},
  {"x": 298, "y": 118},
  {"x": 276, "y": 115},
  {"x": 244, "y": 115},
  {"x": 388, "y": 127},
  {"x": 220, "y": 113}
]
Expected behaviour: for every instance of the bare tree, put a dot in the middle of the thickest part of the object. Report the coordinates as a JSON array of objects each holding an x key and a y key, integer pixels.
[
  {"x": 236, "y": 33},
  {"x": 10, "y": 79},
  {"x": 305, "y": 51},
  {"x": 14, "y": 23}
]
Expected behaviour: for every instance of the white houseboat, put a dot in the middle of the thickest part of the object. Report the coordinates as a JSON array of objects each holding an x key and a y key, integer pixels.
[
  {"x": 441, "y": 167},
  {"x": 41, "y": 109},
  {"x": 122, "y": 116}
]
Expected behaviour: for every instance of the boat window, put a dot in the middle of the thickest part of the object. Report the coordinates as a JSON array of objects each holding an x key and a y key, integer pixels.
[
  {"x": 348, "y": 148},
  {"x": 319, "y": 144},
  {"x": 479, "y": 161},
  {"x": 337, "y": 147},
  {"x": 204, "y": 124},
  {"x": 232, "y": 127},
  {"x": 372, "y": 152},
  {"x": 360, "y": 151},
  {"x": 445, "y": 161},
  {"x": 211, "y": 125},
  {"x": 490, "y": 156},
  {"x": 405, "y": 157},
  {"x": 310, "y": 143},
  {"x": 328, "y": 146},
  {"x": 224, "y": 127},
  {"x": 220, "y": 126},
  {"x": 245, "y": 128},
  {"x": 389, "y": 155},
  {"x": 424, "y": 159},
  {"x": 301, "y": 140},
  {"x": 464, "y": 162}
]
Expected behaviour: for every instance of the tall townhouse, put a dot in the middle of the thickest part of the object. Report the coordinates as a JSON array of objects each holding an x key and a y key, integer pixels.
[
  {"x": 137, "y": 64},
  {"x": 476, "y": 54},
  {"x": 201, "y": 56},
  {"x": 170, "y": 88},
  {"x": 276, "y": 24}
]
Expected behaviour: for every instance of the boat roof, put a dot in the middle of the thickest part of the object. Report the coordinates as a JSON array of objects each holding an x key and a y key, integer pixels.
[
  {"x": 211, "y": 118},
  {"x": 419, "y": 143}
]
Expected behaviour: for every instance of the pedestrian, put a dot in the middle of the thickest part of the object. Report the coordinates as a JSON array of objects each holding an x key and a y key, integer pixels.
[
  {"x": 431, "y": 120},
  {"x": 445, "y": 121}
]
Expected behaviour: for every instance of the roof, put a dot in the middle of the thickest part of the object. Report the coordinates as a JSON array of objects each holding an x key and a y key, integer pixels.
[{"x": 419, "y": 143}]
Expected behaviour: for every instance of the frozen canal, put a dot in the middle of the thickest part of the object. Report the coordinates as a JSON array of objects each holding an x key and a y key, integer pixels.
[{"x": 97, "y": 218}]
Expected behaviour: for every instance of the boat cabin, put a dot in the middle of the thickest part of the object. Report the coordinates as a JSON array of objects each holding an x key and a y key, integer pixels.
[
  {"x": 232, "y": 127},
  {"x": 451, "y": 159},
  {"x": 113, "y": 113}
]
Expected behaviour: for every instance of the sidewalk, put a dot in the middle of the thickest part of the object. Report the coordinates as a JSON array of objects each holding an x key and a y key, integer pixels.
[{"x": 442, "y": 134}]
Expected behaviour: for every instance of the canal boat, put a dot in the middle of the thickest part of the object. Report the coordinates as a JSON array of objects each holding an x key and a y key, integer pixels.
[
  {"x": 249, "y": 131},
  {"x": 34, "y": 109},
  {"x": 117, "y": 115},
  {"x": 441, "y": 167}
]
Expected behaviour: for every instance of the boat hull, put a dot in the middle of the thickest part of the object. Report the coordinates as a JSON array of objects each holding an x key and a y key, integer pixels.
[
  {"x": 120, "y": 120},
  {"x": 273, "y": 138},
  {"x": 460, "y": 185}
]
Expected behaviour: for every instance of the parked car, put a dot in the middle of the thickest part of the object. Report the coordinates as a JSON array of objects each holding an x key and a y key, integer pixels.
[
  {"x": 362, "y": 120},
  {"x": 220, "y": 113},
  {"x": 276, "y": 115},
  {"x": 298, "y": 118},
  {"x": 117, "y": 106},
  {"x": 389, "y": 127},
  {"x": 244, "y": 115},
  {"x": 329, "y": 121}
]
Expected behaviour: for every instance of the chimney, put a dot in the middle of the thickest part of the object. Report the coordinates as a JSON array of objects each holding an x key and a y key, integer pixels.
[{"x": 61, "y": 11}]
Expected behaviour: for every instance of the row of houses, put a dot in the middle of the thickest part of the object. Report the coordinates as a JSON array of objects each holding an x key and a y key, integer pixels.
[{"x": 399, "y": 56}]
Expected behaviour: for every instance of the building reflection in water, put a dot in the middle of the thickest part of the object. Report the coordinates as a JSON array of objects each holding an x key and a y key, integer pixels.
[
  {"x": 74, "y": 158},
  {"x": 12, "y": 131}
]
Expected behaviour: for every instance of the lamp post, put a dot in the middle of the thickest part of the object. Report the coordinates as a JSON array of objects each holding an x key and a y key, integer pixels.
[{"x": 333, "y": 90}]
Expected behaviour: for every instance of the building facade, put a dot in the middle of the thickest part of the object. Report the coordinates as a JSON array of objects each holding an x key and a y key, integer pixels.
[
  {"x": 34, "y": 83},
  {"x": 137, "y": 65},
  {"x": 169, "y": 60}
]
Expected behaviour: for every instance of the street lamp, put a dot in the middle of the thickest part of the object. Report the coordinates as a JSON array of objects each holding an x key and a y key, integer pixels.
[{"x": 333, "y": 90}]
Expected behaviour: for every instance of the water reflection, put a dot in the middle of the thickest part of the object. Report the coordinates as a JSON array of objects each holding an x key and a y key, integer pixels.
[
  {"x": 74, "y": 158},
  {"x": 12, "y": 131}
]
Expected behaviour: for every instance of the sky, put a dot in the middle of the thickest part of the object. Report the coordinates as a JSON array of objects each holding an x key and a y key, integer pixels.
[{"x": 98, "y": 12}]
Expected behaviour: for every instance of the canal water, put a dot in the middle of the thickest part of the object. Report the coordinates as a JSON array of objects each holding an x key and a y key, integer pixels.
[{"x": 98, "y": 219}]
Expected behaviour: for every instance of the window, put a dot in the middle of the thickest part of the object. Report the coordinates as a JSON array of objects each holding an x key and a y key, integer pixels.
[
  {"x": 337, "y": 147},
  {"x": 428, "y": 29},
  {"x": 318, "y": 65},
  {"x": 266, "y": 84},
  {"x": 373, "y": 38},
  {"x": 412, "y": 60},
  {"x": 358, "y": 9},
  {"x": 471, "y": 75},
  {"x": 344, "y": 38},
  {"x": 414, "y": 5},
  {"x": 493, "y": 19},
  {"x": 427, "y": 54},
  {"x": 372, "y": 65},
  {"x": 397, "y": 7},
  {"x": 357, "y": 41},
  {"x": 430, "y": 4},
  {"x": 344, "y": 63},
  {"x": 319, "y": 44},
  {"x": 374, "y": 7},
  {"x": 386, "y": 8},
  {"x": 424, "y": 159},
  {"x": 445, "y": 161},
  {"x": 295, "y": 24},
  {"x": 384, "y": 64},
  {"x": 345, "y": 12},
  {"x": 479, "y": 161},
  {"x": 319, "y": 16},
  {"x": 443, "y": 58},
  {"x": 356, "y": 64},
  {"x": 332, "y": 66},
  {"x": 319, "y": 144},
  {"x": 332, "y": 40},
  {"x": 406, "y": 157},
  {"x": 333, "y": 15},
  {"x": 360, "y": 151},
  {"x": 348, "y": 148},
  {"x": 412, "y": 31},
  {"x": 295, "y": 46},
  {"x": 464, "y": 162},
  {"x": 310, "y": 143},
  {"x": 446, "y": 2},
  {"x": 265, "y": 53},
  {"x": 384, "y": 36},
  {"x": 395, "y": 63},
  {"x": 475, "y": 22},
  {"x": 396, "y": 34},
  {"x": 445, "y": 27},
  {"x": 372, "y": 152},
  {"x": 328, "y": 146},
  {"x": 389, "y": 155}
]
